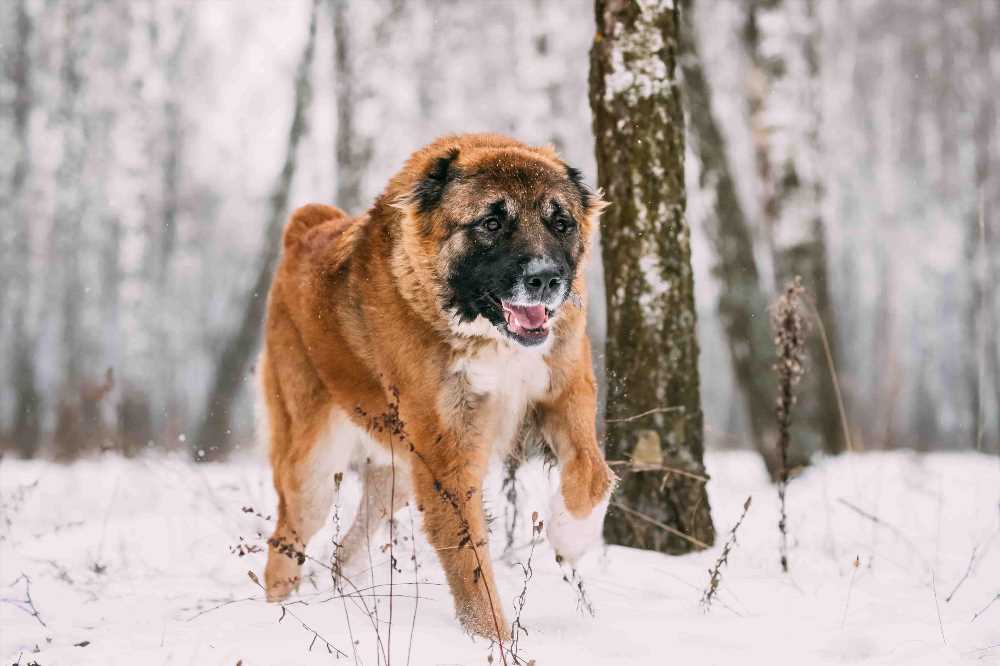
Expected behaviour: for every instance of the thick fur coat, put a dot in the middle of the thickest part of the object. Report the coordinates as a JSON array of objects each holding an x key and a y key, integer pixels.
[{"x": 426, "y": 336}]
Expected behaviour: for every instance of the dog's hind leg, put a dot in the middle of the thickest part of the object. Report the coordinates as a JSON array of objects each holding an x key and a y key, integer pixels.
[
  {"x": 308, "y": 447},
  {"x": 306, "y": 481},
  {"x": 382, "y": 497}
]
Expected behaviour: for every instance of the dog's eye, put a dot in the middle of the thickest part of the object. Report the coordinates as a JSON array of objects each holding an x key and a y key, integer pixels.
[
  {"x": 492, "y": 224},
  {"x": 562, "y": 225}
]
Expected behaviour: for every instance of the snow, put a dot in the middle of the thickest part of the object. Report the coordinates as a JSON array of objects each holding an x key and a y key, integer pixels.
[
  {"x": 134, "y": 557},
  {"x": 637, "y": 70}
]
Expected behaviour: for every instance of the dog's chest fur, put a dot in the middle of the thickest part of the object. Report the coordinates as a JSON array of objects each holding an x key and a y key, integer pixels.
[{"x": 489, "y": 389}]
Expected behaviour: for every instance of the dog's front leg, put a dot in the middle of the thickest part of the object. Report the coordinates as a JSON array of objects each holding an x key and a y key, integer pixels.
[
  {"x": 447, "y": 475},
  {"x": 577, "y": 509}
]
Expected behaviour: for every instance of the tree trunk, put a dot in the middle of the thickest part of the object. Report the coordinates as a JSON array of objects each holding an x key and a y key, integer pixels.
[
  {"x": 742, "y": 302},
  {"x": 69, "y": 207},
  {"x": 654, "y": 402},
  {"x": 352, "y": 150},
  {"x": 26, "y": 432},
  {"x": 992, "y": 342},
  {"x": 213, "y": 441},
  {"x": 783, "y": 73},
  {"x": 67, "y": 227},
  {"x": 987, "y": 272},
  {"x": 167, "y": 213},
  {"x": 973, "y": 345}
]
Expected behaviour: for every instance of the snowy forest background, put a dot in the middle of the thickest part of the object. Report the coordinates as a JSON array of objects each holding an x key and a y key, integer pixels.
[{"x": 144, "y": 144}]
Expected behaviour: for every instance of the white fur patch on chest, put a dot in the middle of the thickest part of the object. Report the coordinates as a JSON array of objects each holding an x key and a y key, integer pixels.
[
  {"x": 505, "y": 369},
  {"x": 505, "y": 379}
]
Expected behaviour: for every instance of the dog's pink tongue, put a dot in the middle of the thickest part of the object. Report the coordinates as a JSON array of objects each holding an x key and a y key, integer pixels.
[{"x": 528, "y": 316}]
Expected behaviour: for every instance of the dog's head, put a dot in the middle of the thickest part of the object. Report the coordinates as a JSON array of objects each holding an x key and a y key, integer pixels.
[{"x": 508, "y": 226}]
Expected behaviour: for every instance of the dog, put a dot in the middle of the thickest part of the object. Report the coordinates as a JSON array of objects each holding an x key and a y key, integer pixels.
[{"x": 428, "y": 335}]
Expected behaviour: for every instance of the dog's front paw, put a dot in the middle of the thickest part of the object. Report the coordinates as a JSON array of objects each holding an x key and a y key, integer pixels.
[
  {"x": 281, "y": 578},
  {"x": 576, "y": 515}
]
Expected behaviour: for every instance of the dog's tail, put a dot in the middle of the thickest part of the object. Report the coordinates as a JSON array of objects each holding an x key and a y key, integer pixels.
[{"x": 308, "y": 217}]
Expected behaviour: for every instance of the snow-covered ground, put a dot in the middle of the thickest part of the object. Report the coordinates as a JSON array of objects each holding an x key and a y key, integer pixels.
[{"x": 132, "y": 562}]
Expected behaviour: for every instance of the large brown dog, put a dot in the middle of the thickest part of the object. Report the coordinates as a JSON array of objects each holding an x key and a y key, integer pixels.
[{"x": 455, "y": 306}]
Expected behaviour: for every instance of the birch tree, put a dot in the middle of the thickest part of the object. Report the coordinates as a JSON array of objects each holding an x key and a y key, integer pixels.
[{"x": 654, "y": 411}]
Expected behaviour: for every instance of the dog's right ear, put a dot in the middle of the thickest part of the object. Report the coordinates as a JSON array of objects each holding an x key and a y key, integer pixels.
[{"x": 430, "y": 189}]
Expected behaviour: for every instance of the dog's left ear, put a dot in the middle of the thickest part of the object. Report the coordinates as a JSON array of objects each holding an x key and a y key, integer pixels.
[
  {"x": 592, "y": 201},
  {"x": 430, "y": 188}
]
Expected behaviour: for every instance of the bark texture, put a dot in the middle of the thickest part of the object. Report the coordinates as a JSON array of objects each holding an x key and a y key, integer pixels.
[
  {"x": 213, "y": 441},
  {"x": 742, "y": 303},
  {"x": 654, "y": 404}
]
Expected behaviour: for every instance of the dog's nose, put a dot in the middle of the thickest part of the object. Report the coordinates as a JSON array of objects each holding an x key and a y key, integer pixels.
[{"x": 541, "y": 284}]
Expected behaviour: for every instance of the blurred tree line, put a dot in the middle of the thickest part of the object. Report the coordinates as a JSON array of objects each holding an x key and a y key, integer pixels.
[{"x": 151, "y": 149}]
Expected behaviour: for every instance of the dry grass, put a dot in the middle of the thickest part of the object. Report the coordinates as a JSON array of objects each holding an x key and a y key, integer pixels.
[{"x": 715, "y": 574}]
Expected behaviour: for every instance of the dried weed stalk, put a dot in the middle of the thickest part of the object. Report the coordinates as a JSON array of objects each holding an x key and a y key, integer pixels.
[
  {"x": 575, "y": 581},
  {"x": 790, "y": 330},
  {"x": 510, "y": 512},
  {"x": 968, "y": 571},
  {"x": 985, "y": 608},
  {"x": 715, "y": 573},
  {"x": 516, "y": 628},
  {"x": 316, "y": 637},
  {"x": 291, "y": 550},
  {"x": 390, "y": 423},
  {"x": 416, "y": 585},
  {"x": 856, "y": 564},
  {"x": 27, "y": 604}
]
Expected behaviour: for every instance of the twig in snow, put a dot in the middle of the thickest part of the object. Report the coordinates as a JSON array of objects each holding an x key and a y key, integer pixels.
[
  {"x": 663, "y": 526},
  {"x": 228, "y": 602},
  {"x": 509, "y": 486},
  {"x": 371, "y": 568},
  {"x": 392, "y": 536},
  {"x": 790, "y": 329},
  {"x": 937, "y": 606},
  {"x": 391, "y": 422},
  {"x": 845, "y": 429},
  {"x": 986, "y": 607},
  {"x": 330, "y": 647},
  {"x": 892, "y": 529},
  {"x": 516, "y": 628},
  {"x": 972, "y": 561},
  {"x": 575, "y": 581},
  {"x": 654, "y": 410},
  {"x": 27, "y": 604},
  {"x": 10, "y": 505},
  {"x": 850, "y": 588},
  {"x": 643, "y": 467},
  {"x": 97, "y": 567},
  {"x": 337, "y": 568},
  {"x": 715, "y": 573},
  {"x": 356, "y": 595},
  {"x": 416, "y": 586}
]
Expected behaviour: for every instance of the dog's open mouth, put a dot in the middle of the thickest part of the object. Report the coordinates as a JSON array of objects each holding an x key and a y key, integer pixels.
[{"x": 530, "y": 323}]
